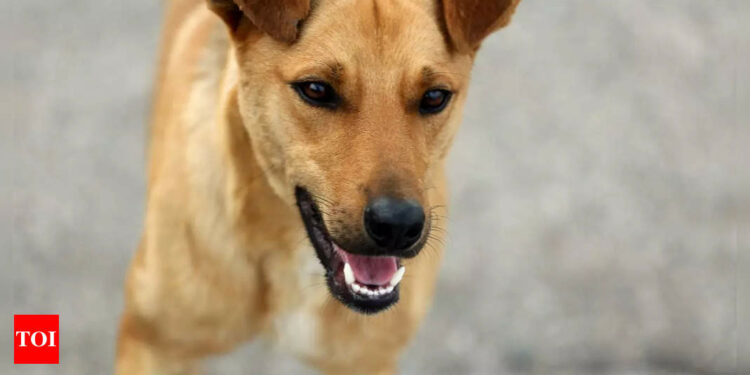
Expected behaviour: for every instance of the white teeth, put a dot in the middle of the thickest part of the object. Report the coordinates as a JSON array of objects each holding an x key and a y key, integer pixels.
[
  {"x": 366, "y": 291},
  {"x": 397, "y": 276},
  {"x": 348, "y": 274}
]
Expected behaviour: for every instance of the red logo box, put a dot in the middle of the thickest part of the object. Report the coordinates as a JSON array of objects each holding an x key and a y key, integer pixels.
[{"x": 36, "y": 339}]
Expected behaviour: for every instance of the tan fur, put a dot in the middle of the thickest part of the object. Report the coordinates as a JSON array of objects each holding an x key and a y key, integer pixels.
[{"x": 224, "y": 257}]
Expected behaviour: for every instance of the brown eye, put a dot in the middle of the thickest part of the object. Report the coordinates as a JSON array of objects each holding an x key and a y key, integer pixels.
[
  {"x": 318, "y": 94},
  {"x": 315, "y": 90},
  {"x": 434, "y": 101}
]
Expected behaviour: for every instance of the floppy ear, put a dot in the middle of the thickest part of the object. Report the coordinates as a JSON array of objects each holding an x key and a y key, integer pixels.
[
  {"x": 278, "y": 18},
  {"x": 468, "y": 22}
]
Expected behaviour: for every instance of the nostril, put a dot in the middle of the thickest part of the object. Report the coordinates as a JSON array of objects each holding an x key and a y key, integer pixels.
[
  {"x": 376, "y": 227},
  {"x": 414, "y": 231}
]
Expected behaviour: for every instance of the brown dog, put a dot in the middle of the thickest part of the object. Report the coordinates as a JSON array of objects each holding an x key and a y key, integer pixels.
[{"x": 296, "y": 171}]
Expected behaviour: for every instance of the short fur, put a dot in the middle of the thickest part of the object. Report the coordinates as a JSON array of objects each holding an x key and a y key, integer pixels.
[{"x": 224, "y": 257}]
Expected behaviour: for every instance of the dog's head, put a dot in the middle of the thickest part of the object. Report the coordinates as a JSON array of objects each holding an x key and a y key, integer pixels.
[{"x": 350, "y": 105}]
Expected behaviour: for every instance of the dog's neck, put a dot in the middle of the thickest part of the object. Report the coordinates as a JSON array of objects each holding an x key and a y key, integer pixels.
[
  {"x": 258, "y": 205},
  {"x": 227, "y": 172}
]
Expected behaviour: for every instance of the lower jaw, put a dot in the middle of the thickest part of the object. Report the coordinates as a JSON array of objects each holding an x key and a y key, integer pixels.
[
  {"x": 362, "y": 300},
  {"x": 366, "y": 304}
]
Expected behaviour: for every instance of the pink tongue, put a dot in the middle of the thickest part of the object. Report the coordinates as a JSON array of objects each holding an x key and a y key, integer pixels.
[{"x": 370, "y": 270}]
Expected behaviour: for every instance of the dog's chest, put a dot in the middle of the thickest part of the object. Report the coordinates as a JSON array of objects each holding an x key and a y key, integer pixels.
[{"x": 301, "y": 293}]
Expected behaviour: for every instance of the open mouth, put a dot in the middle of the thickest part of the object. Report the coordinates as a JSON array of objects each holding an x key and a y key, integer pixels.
[{"x": 367, "y": 284}]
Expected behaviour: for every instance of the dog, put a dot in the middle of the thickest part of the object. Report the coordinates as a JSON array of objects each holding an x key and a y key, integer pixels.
[{"x": 296, "y": 187}]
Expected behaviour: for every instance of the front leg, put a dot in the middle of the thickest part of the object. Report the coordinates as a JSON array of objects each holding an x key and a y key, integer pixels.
[
  {"x": 167, "y": 326},
  {"x": 137, "y": 354}
]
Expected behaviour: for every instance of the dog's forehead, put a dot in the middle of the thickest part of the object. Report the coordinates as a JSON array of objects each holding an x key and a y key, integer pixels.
[{"x": 382, "y": 32}]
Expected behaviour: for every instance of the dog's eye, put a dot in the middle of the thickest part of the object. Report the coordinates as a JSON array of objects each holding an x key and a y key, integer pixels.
[
  {"x": 319, "y": 94},
  {"x": 434, "y": 101}
]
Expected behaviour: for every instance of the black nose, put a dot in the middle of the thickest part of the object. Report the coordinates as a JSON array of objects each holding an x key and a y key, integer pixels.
[{"x": 394, "y": 223}]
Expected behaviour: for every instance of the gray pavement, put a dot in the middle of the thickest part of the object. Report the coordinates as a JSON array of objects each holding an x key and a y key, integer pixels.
[{"x": 600, "y": 189}]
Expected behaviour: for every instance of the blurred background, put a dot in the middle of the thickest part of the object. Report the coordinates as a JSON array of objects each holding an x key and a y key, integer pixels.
[{"x": 600, "y": 189}]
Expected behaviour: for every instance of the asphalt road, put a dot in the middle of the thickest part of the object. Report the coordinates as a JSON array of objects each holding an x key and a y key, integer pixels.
[{"x": 600, "y": 189}]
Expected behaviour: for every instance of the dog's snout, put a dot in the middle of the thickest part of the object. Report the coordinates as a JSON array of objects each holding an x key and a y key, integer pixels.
[{"x": 394, "y": 224}]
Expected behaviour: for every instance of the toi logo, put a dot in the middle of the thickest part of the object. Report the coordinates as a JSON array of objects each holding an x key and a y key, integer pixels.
[{"x": 36, "y": 339}]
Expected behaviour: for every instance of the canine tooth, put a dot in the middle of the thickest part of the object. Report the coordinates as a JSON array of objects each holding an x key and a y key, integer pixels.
[
  {"x": 389, "y": 289},
  {"x": 348, "y": 274},
  {"x": 398, "y": 276},
  {"x": 356, "y": 288}
]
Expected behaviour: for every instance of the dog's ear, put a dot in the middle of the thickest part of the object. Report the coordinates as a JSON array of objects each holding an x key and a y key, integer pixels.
[
  {"x": 278, "y": 18},
  {"x": 468, "y": 22}
]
